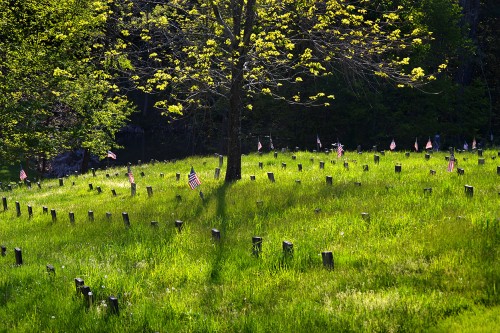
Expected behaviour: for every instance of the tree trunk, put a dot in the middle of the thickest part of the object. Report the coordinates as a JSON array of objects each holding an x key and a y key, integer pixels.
[
  {"x": 85, "y": 161},
  {"x": 233, "y": 169}
]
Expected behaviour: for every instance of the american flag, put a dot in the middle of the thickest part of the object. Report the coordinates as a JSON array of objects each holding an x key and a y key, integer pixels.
[
  {"x": 451, "y": 163},
  {"x": 271, "y": 142},
  {"x": 393, "y": 145},
  {"x": 317, "y": 141},
  {"x": 259, "y": 145},
  {"x": 466, "y": 146},
  {"x": 22, "y": 175},
  {"x": 193, "y": 180},
  {"x": 111, "y": 155},
  {"x": 416, "y": 145},
  {"x": 429, "y": 144},
  {"x": 130, "y": 175},
  {"x": 474, "y": 143},
  {"x": 339, "y": 150}
]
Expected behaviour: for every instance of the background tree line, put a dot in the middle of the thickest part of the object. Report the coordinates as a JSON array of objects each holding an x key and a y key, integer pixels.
[{"x": 69, "y": 69}]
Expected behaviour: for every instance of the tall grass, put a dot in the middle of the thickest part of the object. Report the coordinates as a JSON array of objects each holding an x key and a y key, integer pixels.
[{"x": 420, "y": 262}]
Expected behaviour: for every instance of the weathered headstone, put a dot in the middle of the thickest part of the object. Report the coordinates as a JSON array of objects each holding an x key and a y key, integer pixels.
[
  {"x": 45, "y": 210},
  {"x": 178, "y": 197},
  {"x": 93, "y": 172},
  {"x": 154, "y": 223},
  {"x": 30, "y": 211},
  {"x": 321, "y": 164},
  {"x": 89, "y": 299},
  {"x": 297, "y": 181},
  {"x": 61, "y": 181},
  {"x": 39, "y": 185},
  {"x": 19, "y": 256},
  {"x": 252, "y": 177},
  {"x": 221, "y": 161},
  {"x": 256, "y": 245},
  {"x": 28, "y": 183},
  {"x": 215, "y": 235},
  {"x": 79, "y": 283},
  {"x": 365, "y": 167},
  {"x": 428, "y": 190},
  {"x": 498, "y": 170},
  {"x": 162, "y": 175},
  {"x": 99, "y": 190},
  {"x": 374, "y": 149},
  {"x": 460, "y": 171},
  {"x": 329, "y": 180},
  {"x": 50, "y": 269},
  {"x": 376, "y": 159},
  {"x": 4, "y": 250},
  {"x": 427, "y": 156},
  {"x": 177, "y": 176},
  {"x": 133, "y": 189},
  {"x": 9, "y": 187},
  {"x": 261, "y": 165},
  {"x": 469, "y": 190},
  {"x": 91, "y": 187},
  {"x": 72, "y": 217},
  {"x": 270, "y": 175},
  {"x": 126, "y": 219},
  {"x": 299, "y": 166},
  {"x": 275, "y": 154},
  {"x": 108, "y": 216},
  {"x": 150, "y": 191},
  {"x": 357, "y": 183},
  {"x": 382, "y": 152},
  {"x": 327, "y": 257},
  {"x": 365, "y": 217},
  {"x": 287, "y": 248},
  {"x": 53, "y": 214},
  {"x": 346, "y": 165},
  {"x": 113, "y": 305},
  {"x": 283, "y": 165},
  {"x": 113, "y": 192},
  {"x": 18, "y": 209},
  {"x": 178, "y": 225},
  {"x": 432, "y": 172},
  {"x": 90, "y": 215},
  {"x": 4, "y": 202},
  {"x": 217, "y": 173},
  {"x": 295, "y": 157},
  {"x": 397, "y": 168}
]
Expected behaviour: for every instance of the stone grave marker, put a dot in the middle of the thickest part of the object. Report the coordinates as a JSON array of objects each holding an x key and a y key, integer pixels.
[{"x": 327, "y": 257}]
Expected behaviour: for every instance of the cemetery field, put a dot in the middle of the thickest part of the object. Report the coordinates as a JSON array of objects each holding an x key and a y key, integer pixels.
[{"x": 412, "y": 250}]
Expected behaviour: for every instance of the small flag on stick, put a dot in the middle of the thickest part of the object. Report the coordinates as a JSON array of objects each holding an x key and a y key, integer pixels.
[
  {"x": 339, "y": 150},
  {"x": 317, "y": 141},
  {"x": 466, "y": 146},
  {"x": 451, "y": 163},
  {"x": 22, "y": 174},
  {"x": 193, "y": 180},
  {"x": 111, "y": 155},
  {"x": 474, "y": 143},
  {"x": 271, "y": 142},
  {"x": 416, "y": 145},
  {"x": 130, "y": 175},
  {"x": 429, "y": 144},
  {"x": 392, "y": 146},
  {"x": 259, "y": 145}
]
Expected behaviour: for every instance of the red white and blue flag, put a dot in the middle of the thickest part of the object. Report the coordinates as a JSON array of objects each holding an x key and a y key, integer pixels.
[
  {"x": 317, "y": 141},
  {"x": 271, "y": 142},
  {"x": 339, "y": 150},
  {"x": 22, "y": 174},
  {"x": 429, "y": 144},
  {"x": 111, "y": 155},
  {"x": 130, "y": 175},
  {"x": 259, "y": 145},
  {"x": 451, "y": 163},
  {"x": 466, "y": 146},
  {"x": 392, "y": 145},
  {"x": 193, "y": 180},
  {"x": 474, "y": 143},
  {"x": 416, "y": 145}
]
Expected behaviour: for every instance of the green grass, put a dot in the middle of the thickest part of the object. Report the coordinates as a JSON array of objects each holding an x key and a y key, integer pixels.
[{"x": 422, "y": 262}]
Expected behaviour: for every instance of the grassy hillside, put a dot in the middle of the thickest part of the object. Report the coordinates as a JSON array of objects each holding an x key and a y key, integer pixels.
[{"x": 417, "y": 261}]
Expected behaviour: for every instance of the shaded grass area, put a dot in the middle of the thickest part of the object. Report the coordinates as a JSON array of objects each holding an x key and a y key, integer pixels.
[{"x": 422, "y": 261}]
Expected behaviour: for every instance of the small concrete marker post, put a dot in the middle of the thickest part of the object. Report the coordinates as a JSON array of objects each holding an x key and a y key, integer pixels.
[
  {"x": 216, "y": 235},
  {"x": 287, "y": 248},
  {"x": 480, "y": 152},
  {"x": 71, "y": 217},
  {"x": 18, "y": 209},
  {"x": 469, "y": 190},
  {"x": 252, "y": 177},
  {"x": 99, "y": 190},
  {"x": 28, "y": 183},
  {"x": 50, "y": 269},
  {"x": 460, "y": 171},
  {"x": 178, "y": 225},
  {"x": 79, "y": 283},
  {"x": 327, "y": 257},
  {"x": 91, "y": 187},
  {"x": 217, "y": 173},
  {"x": 162, "y": 175},
  {"x": 329, "y": 180},
  {"x": 433, "y": 172},
  {"x": 397, "y": 168},
  {"x": 299, "y": 166},
  {"x": 89, "y": 299},
  {"x": 177, "y": 176},
  {"x": 108, "y": 216},
  {"x": 407, "y": 154},
  {"x": 321, "y": 164},
  {"x": 376, "y": 159},
  {"x": 154, "y": 223},
  {"x": 90, "y": 215},
  {"x": 480, "y": 161},
  {"x": 261, "y": 165},
  {"x": 150, "y": 191},
  {"x": 427, "y": 156},
  {"x": 365, "y": 167},
  {"x": 113, "y": 192},
  {"x": 39, "y": 185},
  {"x": 133, "y": 189},
  {"x": 498, "y": 170},
  {"x": 346, "y": 165},
  {"x": 4, "y": 250},
  {"x": 4, "y": 202},
  {"x": 283, "y": 165},
  {"x": 365, "y": 217},
  {"x": 19, "y": 256},
  {"x": 61, "y": 181},
  {"x": 295, "y": 157},
  {"x": 270, "y": 175},
  {"x": 428, "y": 191},
  {"x": 256, "y": 245},
  {"x": 53, "y": 214},
  {"x": 45, "y": 210},
  {"x": 221, "y": 161},
  {"x": 298, "y": 181},
  {"x": 113, "y": 305},
  {"x": 93, "y": 172},
  {"x": 275, "y": 154},
  {"x": 126, "y": 220},
  {"x": 30, "y": 211},
  {"x": 143, "y": 174}
]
